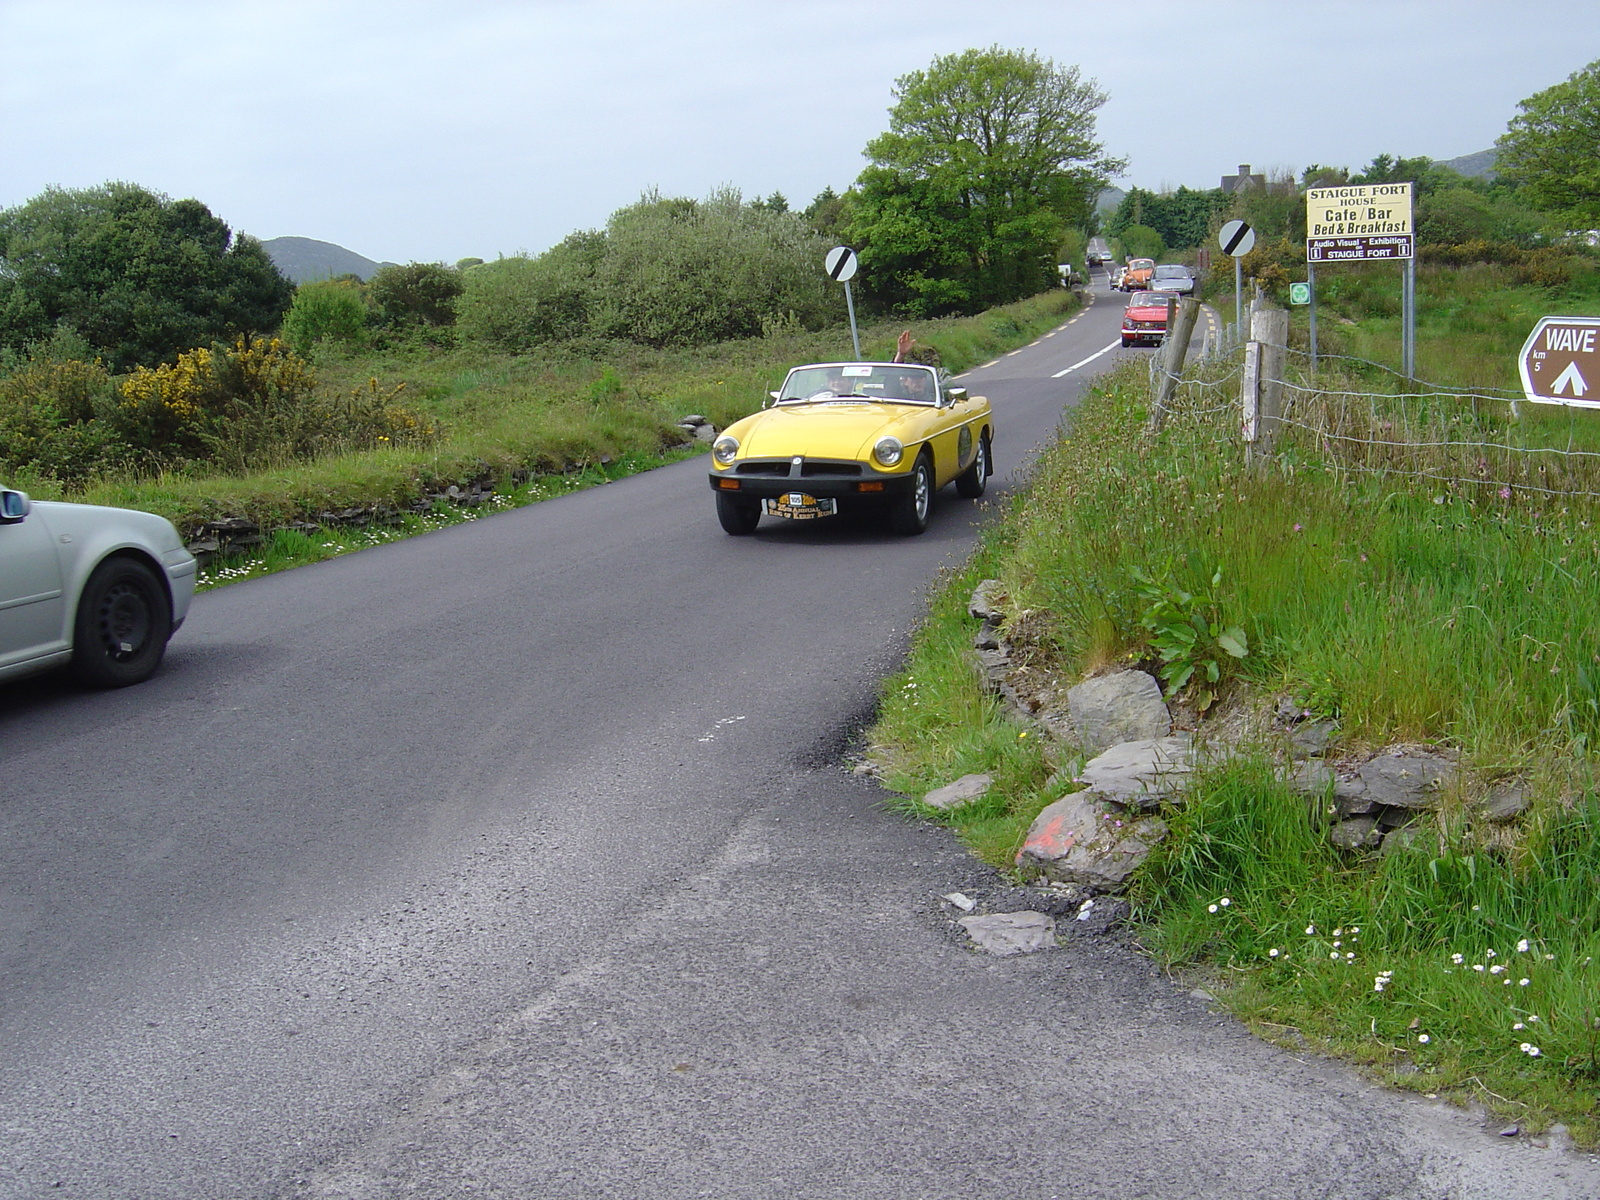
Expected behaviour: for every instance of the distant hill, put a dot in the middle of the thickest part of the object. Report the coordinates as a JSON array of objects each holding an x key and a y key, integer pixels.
[
  {"x": 1473, "y": 166},
  {"x": 305, "y": 259}
]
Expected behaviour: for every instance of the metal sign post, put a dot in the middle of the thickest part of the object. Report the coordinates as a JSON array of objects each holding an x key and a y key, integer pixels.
[
  {"x": 841, "y": 263},
  {"x": 1237, "y": 238}
]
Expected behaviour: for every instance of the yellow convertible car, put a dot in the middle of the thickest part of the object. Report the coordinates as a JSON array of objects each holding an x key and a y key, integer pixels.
[{"x": 848, "y": 436}]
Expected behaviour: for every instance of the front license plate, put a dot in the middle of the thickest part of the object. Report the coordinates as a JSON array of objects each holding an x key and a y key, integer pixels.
[{"x": 797, "y": 506}]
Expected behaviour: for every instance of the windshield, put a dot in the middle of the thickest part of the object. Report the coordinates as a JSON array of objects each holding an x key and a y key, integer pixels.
[
  {"x": 1149, "y": 300},
  {"x": 907, "y": 383},
  {"x": 1141, "y": 264},
  {"x": 1172, "y": 272}
]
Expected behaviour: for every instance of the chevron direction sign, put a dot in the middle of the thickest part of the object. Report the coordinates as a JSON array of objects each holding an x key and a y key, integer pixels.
[{"x": 1560, "y": 362}]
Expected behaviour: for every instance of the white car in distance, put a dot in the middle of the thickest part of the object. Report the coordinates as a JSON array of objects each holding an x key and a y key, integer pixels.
[{"x": 97, "y": 590}]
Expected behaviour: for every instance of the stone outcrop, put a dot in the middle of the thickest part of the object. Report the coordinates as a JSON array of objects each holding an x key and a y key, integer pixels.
[
  {"x": 1079, "y": 840},
  {"x": 963, "y": 791},
  {"x": 1125, "y": 706}
]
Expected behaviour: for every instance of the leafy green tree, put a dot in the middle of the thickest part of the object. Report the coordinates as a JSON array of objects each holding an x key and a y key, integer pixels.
[
  {"x": 1141, "y": 241},
  {"x": 1550, "y": 149},
  {"x": 326, "y": 310},
  {"x": 416, "y": 294},
  {"x": 989, "y": 157},
  {"x": 140, "y": 276}
]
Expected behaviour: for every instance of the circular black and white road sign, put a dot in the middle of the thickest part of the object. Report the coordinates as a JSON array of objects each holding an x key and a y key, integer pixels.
[
  {"x": 1236, "y": 238},
  {"x": 841, "y": 264}
]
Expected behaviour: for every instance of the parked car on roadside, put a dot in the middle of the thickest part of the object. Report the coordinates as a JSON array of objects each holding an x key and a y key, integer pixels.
[
  {"x": 853, "y": 436},
  {"x": 1173, "y": 277},
  {"x": 1147, "y": 318},
  {"x": 97, "y": 590}
]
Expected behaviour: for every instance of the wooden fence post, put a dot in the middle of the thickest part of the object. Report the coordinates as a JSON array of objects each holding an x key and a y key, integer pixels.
[
  {"x": 1172, "y": 352},
  {"x": 1270, "y": 327},
  {"x": 1250, "y": 401}
]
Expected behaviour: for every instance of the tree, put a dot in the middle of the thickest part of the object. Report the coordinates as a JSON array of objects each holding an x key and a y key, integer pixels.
[
  {"x": 1549, "y": 149},
  {"x": 416, "y": 294},
  {"x": 989, "y": 157},
  {"x": 324, "y": 310},
  {"x": 140, "y": 276}
]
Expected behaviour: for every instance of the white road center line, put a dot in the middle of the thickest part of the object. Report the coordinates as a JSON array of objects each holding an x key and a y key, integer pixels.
[{"x": 1088, "y": 360}]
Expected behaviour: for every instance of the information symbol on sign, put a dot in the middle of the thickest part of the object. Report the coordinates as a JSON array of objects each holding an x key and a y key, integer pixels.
[
  {"x": 1236, "y": 238},
  {"x": 841, "y": 264}
]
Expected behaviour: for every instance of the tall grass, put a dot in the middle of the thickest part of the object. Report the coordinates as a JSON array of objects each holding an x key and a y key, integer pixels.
[{"x": 1407, "y": 591}]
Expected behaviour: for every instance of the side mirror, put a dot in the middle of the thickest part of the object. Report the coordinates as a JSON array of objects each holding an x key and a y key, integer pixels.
[
  {"x": 772, "y": 398},
  {"x": 955, "y": 395},
  {"x": 14, "y": 506}
]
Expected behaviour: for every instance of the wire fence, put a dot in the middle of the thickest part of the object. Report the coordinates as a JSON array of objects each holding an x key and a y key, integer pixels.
[{"x": 1360, "y": 417}]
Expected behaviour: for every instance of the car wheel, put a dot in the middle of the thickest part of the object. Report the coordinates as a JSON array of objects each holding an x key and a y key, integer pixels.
[
  {"x": 910, "y": 513},
  {"x": 970, "y": 483},
  {"x": 739, "y": 516},
  {"x": 124, "y": 620},
  {"x": 1126, "y": 343}
]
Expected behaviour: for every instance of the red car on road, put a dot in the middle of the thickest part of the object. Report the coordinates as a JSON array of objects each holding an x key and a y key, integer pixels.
[{"x": 1148, "y": 317}]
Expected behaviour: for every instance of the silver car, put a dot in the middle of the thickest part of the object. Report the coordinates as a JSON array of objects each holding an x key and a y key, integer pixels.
[
  {"x": 99, "y": 590},
  {"x": 1173, "y": 277}
]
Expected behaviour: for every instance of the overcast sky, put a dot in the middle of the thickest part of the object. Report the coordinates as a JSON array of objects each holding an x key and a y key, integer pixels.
[{"x": 431, "y": 130}]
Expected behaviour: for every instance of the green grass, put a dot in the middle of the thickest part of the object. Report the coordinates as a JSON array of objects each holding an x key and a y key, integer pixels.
[{"x": 1413, "y": 610}]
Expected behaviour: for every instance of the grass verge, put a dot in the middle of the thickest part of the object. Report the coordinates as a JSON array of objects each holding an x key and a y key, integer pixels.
[{"x": 1461, "y": 964}]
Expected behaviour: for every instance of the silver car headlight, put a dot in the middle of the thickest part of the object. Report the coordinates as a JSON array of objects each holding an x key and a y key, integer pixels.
[
  {"x": 888, "y": 451},
  {"x": 725, "y": 449}
]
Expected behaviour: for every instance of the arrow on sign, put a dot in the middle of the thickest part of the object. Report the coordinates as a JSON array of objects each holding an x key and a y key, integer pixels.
[{"x": 1571, "y": 378}]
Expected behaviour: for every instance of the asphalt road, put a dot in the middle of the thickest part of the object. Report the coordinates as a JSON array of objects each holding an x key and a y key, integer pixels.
[{"x": 517, "y": 860}]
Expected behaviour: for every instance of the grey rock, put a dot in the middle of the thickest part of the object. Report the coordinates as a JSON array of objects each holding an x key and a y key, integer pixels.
[
  {"x": 1395, "y": 818},
  {"x": 964, "y": 902},
  {"x": 985, "y": 603},
  {"x": 1142, "y": 774},
  {"x": 1312, "y": 739},
  {"x": 693, "y": 419},
  {"x": 705, "y": 433},
  {"x": 1312, "y": 778},
  {"x": 1005, "y": 934},
  {"x": 988, "y": 637},
  {"x": 1351, "y": 797},
  {"x": 1077, "y": 841},
  {"x": 1125, "y": 706},
  {"x": 1506, "y": 802},
  {"x": 1407, "y": 780},
  {"x": 993, "y": 666},
  {"x": 963, "y": 791},
  {"x": 1358, "y": 833}
]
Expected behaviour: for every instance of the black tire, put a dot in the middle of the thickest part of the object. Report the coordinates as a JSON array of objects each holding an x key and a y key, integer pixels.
[
  {"x": 123, "y": 622},
  {"x": 970, "y": 483},
  {"x": 738, "y": 514},
  {"x": 909, "y": 516}
]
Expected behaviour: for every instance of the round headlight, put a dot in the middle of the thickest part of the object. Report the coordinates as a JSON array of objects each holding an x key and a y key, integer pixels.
[
  {"x": 725, "y": 449},
  {"x": 888, "y": 451}
]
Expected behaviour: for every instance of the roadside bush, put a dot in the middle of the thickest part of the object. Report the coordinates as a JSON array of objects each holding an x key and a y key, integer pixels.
[
  {"x": 254, "y": 404},
  {"x": 517, "y": 303},
  {"x": 50, "y": 420},
  {"x": 329, "y": 310},
  {"x": 679, "y": 272}
]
